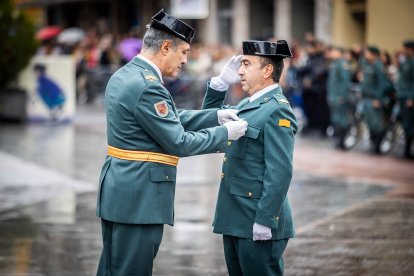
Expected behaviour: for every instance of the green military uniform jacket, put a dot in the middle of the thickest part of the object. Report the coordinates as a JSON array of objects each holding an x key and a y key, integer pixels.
[
  {"x": 143, "y": 192},
  {"x": 375, "y": 82},
  {"x": 339, "y": 78},
  {"x": 405, "y": 84},
  {"x": 257, "y": 168}
]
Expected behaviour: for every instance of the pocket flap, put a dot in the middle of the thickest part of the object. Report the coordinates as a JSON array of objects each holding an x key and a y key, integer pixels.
[
  {"x": 246, "y": 188},
  {"x": 252, "y": 132},
  {"x": 162, "y": 174}
]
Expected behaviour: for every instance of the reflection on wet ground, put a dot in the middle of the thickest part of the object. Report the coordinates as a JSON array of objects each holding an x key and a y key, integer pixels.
[
  {"x": 62, "y": 236},
  {"x": 48, "y": 224}
]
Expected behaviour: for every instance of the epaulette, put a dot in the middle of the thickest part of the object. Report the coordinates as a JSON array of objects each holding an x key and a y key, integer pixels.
[
  {"x": 149, "y": 76},
  {"x": 281, "y": 99}
]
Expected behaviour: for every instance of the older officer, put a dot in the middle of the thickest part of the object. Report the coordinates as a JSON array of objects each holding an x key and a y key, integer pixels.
[
  {"x": 339, "y": 79},
  {"x": 146, "y": 135},
  {"x": 405, "y": 95},
  {"x": 253, "y": 211}
]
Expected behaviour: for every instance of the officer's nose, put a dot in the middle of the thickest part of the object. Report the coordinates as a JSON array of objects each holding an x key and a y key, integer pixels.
[
  {"x": 240, "y": 72},
  {"x": 184, "y": 60}
]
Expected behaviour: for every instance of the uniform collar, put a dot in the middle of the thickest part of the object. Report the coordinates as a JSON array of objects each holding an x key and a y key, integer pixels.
[
  {"x": 260, "y": 93},
  {"x": 155, "y": 67},
  {"x": 263, "y": 98}
]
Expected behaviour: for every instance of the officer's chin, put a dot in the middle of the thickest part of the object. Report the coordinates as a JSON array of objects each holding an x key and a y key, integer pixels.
[{"x": 175, "y": 74}]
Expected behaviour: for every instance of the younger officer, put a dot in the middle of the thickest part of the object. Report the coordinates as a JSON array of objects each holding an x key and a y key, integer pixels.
[
  {"x": 339, "y": 79},
  {"x": 146, "y": 136},
  {"x": 405, "y": 95},
  {"x": 373, "y": 88},
  {"x": 253, "y": 211}
]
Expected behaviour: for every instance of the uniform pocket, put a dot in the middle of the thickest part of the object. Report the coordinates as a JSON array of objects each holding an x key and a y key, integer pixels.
[
  {"x": 162, "y": 174},
  {"x": 246, "y": 188},
  {"x": 252, "y": 132},
  {"x": 240, "y": 146}
]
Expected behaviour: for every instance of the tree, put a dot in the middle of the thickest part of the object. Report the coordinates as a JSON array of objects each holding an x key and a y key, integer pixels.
[{"x": 17, "y": 42}]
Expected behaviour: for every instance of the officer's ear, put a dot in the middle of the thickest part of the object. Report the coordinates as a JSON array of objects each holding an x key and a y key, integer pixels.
[
  {"x": 268, "y": 71},
  {"x": 166, "y": 47}
]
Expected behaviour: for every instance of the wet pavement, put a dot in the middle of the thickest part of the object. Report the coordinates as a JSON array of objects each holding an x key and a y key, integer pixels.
[{"x": 354, "y": 212}]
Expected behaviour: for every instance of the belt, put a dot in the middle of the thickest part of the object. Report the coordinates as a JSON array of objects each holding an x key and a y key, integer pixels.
[{"x": 144, "y": 156}]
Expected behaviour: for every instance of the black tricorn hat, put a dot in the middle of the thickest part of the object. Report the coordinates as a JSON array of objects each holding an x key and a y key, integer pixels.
[
  {"x": 279, "y": 49},
  {"x": 409, "y": 44},
  {"x": 374, "y": 50},
  {"x": 167, "y": 22}
]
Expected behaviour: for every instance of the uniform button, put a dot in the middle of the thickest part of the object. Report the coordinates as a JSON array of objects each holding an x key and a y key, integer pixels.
[
  {"x": 218, "y": 151},
  {"x": 166, "y": 177},
  {"x": 224, "y": 159},
  {"x": 229, "y": 143},
  {"x": 276, "y": 218},
  {"x": 249, "y": 194},
  {"x": 222, "y": 175},
  {"x": 266, "y": 99}
]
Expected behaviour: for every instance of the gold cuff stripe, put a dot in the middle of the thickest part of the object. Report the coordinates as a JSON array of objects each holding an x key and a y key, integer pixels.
[{"x": 144, "y": 156}]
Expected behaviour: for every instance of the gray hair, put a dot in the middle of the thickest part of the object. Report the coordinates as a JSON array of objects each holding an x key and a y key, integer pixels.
[{"x": 154, "y": 38}]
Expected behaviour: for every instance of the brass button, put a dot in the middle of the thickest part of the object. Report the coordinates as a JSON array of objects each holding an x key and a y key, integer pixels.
[
  {"x": 229, "y": 143},
  {"x": 249, "y": 194},
  {"x": 166, "y": 177},
  {"x": 222, "y": 175},
  {"x": 224, "y": 159}
]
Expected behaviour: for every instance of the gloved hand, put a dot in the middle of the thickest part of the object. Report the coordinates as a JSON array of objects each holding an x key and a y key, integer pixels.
[
  {"x": 227, "y": 115},
  {"x": 261, "y": 232},
  {"x": 228, "y": 74},
  {"x": 236, "y": 129}
]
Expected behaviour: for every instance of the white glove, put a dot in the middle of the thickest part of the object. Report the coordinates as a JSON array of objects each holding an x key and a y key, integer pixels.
[
  {"x": 227, "y": 115},
  {"x": 261, "y": 232},
  {"x": 228, "y": 75},
  {"x": 236, "y": 129}
]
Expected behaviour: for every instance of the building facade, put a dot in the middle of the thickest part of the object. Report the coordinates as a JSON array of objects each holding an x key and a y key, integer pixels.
[{"x": 384, "y": 23}]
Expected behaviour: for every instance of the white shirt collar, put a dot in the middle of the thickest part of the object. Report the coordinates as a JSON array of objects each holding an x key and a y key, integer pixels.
[
  {"x": 152, "y": 65},
  {"x": 260, "y": 93}
]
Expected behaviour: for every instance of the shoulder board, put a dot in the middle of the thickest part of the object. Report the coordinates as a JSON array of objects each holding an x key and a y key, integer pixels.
[
  {"x": 281, "y": 99},
  {"x": 148, "y": 75},
  {"x": 151, "y": 78}
]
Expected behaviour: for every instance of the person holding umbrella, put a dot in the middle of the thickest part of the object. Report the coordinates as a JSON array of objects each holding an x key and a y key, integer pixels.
[{"x": 47, "y": 37}]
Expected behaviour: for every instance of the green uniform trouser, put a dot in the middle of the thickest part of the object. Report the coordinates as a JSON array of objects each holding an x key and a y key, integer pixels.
[
  {"x": 129, "y": 249},
  {"x": 252, "y": 258},
  {"x": 340, "y": 117},
  {"x": 407, "y": 117},
  {"x": 373, "y": 117}
]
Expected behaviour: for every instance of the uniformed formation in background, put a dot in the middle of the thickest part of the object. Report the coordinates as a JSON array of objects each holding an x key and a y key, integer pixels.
[{"x": 342, "y": 91}]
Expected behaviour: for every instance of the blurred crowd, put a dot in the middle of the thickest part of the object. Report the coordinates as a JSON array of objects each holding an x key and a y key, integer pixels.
[
  {"x": 334, "y": 91},
  {"x": 348, "y": 93}
]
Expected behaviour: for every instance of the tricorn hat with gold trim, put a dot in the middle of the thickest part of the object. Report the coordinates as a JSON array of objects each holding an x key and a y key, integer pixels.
[
  {"x": 167, "y": 22},
  {"x": 278, "y": 50}
]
